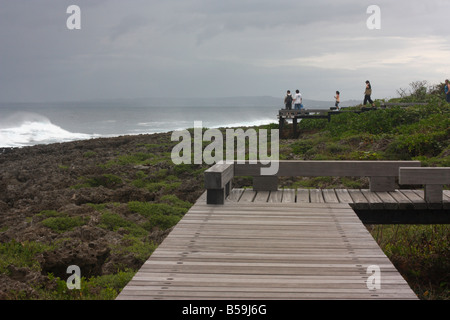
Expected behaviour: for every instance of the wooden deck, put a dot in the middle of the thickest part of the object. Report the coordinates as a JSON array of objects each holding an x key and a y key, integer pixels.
[
  {"x": 269, "y": 246},
  {"x": 396, "y": 207}
]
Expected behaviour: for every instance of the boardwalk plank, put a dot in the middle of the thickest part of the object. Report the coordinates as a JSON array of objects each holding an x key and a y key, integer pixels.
[
  {"x": 262, "y": 196},
  {"x": 235, "y": 194},
  {"x": 303, "y": 196},
  {"x": 375, "y": 203},
  {"x": 403, "y": 202},
  {"x": 418, "y": 202},
  {"x": 359, "y": 200},
  {"x": 288, "y": 195},
  {"x": 389, "y": 202},
  {"x": 431, "y": 206},
  {"x": 248, "y": 196},
  {"x": 264, "y": 250},
  {"x": 316, "y": 196},
  {"x": 276, "y": 196},
  {"x": 343, "y": 196},
  {"x": 330, "y": 196}
]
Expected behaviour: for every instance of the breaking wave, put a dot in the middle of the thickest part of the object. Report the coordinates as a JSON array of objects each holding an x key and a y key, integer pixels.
[{"x": 27, "y": 129}]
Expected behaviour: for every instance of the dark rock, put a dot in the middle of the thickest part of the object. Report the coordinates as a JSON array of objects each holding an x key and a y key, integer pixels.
[{"x": 89, "y": 258}]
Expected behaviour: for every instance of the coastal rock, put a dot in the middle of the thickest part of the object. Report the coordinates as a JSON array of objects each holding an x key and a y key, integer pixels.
[
  {"x": 88, "y": 256},
  {"x": 11, "y": 289},
  {"x": 83, "y": 181},
  {"x": 3, "y": 206}
]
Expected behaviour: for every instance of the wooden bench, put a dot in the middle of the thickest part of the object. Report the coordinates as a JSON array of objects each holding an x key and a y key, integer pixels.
[
  {"x": 382, "y": 174},
  {"x": 218, "y": 180},
  {"x": 433, "y": 179}
]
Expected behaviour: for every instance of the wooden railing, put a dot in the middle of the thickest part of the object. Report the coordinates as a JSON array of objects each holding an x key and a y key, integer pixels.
[{"x": 382, "y": 174}]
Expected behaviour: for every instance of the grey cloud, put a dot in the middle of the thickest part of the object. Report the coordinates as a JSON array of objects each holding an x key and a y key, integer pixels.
[
  {"x": 211, "y": 47},
  {"x": 127, "y": 25}
]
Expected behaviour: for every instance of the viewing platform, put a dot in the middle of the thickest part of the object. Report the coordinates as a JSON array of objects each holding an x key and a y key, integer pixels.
[{"x": 314, "y": 113}]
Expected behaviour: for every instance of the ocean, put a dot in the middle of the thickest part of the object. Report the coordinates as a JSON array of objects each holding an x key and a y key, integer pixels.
[{"x": 40, "y": 123}]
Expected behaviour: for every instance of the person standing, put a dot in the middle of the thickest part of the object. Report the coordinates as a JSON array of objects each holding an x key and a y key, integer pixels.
[
  {"x": 447, "y": 90},
  {"x": 338, "y": 100},
  {"x": 288, "y": 100},
  {"x": 298, "y": 101},
  {"x": 367, "y": 94}
]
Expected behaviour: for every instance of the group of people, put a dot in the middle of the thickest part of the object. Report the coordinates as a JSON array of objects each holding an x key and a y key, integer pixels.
[{"x": 298, "y": 101}]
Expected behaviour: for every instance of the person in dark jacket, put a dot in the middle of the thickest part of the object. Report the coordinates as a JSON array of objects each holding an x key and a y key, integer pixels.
[
  {"x": 367, "y": 94},
  {"x": 447, "y": 90},
  {"x": 288, "y": 100}
]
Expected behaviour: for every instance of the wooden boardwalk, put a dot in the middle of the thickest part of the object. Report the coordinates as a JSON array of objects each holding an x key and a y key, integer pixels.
[{"x": 267, "y": 246}]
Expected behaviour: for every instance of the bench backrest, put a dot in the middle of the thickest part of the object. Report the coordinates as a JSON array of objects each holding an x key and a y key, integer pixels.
[{"x": 436, "y": 176}]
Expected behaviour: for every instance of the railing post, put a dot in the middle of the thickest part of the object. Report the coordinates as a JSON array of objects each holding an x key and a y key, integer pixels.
[{"x": 433, "y": 193}]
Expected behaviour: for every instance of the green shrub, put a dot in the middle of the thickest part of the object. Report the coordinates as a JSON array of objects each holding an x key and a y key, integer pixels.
[
  {"x": 302, "y": 146},
  {"x": 21, "y": 255},
  {"x": 105, "y": 287},
  {"x": 157, "y": 186},
  {"x": 336, "y": 148},
  {"x": 366, "y": 155},
  {"x": 138, "y": 246},
  {"x": 63, "y": 224},
  {"x": 106, "y": 180},
  {"x": 175, "y": 201},
  {"x": 161, "y": 215},
  {"x": 137, "y": 158},
  {"x": 51, "y": 214},
  {"x": 419, "y": 144},
  {"x": 113, "y": 222},
  {"x": 89, "y": 154},
  {"x": 420, "y": 253}
]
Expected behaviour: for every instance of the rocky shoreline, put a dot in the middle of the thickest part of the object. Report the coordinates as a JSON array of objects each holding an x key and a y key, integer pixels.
[{"x": 84, "y": 182}]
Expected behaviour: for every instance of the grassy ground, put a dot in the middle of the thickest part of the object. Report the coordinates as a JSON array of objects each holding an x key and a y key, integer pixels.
[{"x": 421, "y": 253}]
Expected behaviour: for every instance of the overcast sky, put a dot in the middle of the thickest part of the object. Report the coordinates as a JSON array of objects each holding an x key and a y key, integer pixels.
[{"x": 208, "y": 48}]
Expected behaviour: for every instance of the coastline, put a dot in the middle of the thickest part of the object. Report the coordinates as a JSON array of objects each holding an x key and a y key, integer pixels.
[{"x": 105, "y": 204}]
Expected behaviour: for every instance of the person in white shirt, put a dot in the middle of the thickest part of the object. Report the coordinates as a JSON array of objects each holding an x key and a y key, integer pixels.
[{"x": 298, "y": 101}]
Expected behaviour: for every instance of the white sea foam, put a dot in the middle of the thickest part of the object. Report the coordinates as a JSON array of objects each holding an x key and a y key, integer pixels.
[
  {"x": 244, "y": 124},
  {"x": 26, "y": 125},
  {"x": 30, "y": 129}
]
